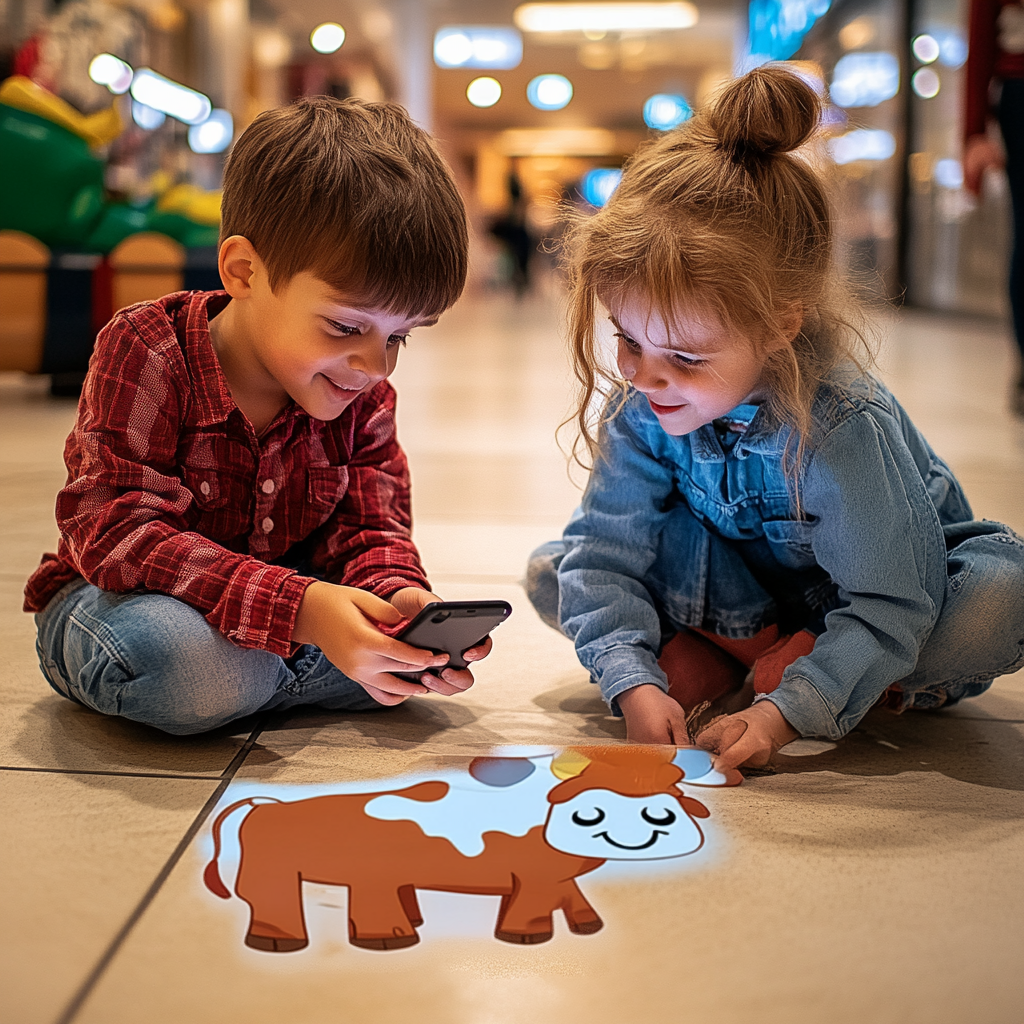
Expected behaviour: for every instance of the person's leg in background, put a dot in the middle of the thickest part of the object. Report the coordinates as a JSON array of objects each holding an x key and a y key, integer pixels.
[{"x": 1011, "y": 120}]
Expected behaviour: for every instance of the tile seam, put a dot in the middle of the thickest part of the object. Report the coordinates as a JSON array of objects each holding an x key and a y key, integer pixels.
[
  {"x": 78, "y": 1000},
  {"x": 98, "y": 771}
]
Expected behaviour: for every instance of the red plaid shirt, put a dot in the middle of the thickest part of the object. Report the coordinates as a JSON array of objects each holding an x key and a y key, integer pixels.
[{"x": 169, "y": 489}]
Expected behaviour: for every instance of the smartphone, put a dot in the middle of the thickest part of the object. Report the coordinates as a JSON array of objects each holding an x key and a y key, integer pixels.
[{"x": 452, "y": 628}]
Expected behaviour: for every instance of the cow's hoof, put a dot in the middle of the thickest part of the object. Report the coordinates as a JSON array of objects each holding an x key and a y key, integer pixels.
[
  {"x": 523, "y": 938},
  {"x": 270, "y": 945},
  {"x": 586, "y": 927},
  {"x": 395, "y": 942}
]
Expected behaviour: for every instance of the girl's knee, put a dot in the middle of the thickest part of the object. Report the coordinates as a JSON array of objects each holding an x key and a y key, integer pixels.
[{"x": 542, "y": 580}]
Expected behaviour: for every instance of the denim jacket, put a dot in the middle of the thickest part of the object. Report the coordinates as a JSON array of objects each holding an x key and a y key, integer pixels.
[{"x": 868, "y": 557}]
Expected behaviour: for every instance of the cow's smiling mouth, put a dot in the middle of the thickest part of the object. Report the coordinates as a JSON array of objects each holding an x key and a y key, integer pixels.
[{"x": 622, "y": 846}]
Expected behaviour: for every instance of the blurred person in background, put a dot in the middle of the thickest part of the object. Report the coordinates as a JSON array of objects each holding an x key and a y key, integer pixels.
[{"x": 995, "y": 94}]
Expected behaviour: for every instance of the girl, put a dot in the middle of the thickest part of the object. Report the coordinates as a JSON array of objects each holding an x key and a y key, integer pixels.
[{"x": 764, "y": 531}]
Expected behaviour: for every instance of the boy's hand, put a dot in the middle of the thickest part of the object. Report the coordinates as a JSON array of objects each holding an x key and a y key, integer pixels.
[
  {"x": 411, "y": 600},
  {"x": 652, "y": 716},
  {"x": 749, "y": 737},
  {"x": 340, "y": 621}
]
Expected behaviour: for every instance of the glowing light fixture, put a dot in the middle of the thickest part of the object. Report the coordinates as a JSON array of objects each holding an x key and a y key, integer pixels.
[
  {"x": 926, "y": 48},
  {"x": 952, "y": 48},
  {"x": 483, "y": 92},
  {"x": 664, "y": 111},
  {"x": 777, "y": 27},
  {"x": 865, "y": 79},
  {"x": 169, "y": 97},
  {"x": 478, "y": 46},
  {"x": 114, "y": 73},
  {"x": 598, "y": 185},
  {"x": 146, "y": 117},
  {"x": 925, "y": 82},
  {"x": 549, "y": 92},
  {"x": 862, "y": 144},
  {"x": 949, "y": 174},
  {"x": 327, "y": 38},
  {"x": 604, "y": 17},
  {"x": 213, "y": 135}
]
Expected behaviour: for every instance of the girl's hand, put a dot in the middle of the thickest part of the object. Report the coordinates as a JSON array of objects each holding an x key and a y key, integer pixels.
[
  {"x": 749, "y": 737},
  {"x": 410, "y": 601},
  {"x": 652, "y": 716}
]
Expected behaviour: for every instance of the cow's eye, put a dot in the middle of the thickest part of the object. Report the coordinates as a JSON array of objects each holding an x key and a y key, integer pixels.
[
  {"x": 598, "y": 817},
  {"x": 651, "y": 820}
]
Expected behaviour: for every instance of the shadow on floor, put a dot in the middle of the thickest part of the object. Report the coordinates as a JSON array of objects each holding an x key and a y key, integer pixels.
[{"x": 980, "y": 750}]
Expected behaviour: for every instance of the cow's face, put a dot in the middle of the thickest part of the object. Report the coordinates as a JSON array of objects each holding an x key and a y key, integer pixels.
[{"x": 601, "y": 823}]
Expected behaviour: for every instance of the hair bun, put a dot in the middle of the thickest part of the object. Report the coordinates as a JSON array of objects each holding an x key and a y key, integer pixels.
[{"x": 767, "y": 111}]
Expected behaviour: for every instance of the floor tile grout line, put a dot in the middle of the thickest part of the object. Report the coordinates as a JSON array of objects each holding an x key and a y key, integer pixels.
[
  {"x": 125, "y": 775},
  {"x": 86, "y": 988}
]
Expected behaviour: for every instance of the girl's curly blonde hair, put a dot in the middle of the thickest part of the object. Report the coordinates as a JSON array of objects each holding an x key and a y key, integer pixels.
[{"x": 719, "y": 218}]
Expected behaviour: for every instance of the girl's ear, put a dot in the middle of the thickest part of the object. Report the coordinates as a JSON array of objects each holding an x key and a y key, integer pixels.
[
  {"x": 237, "y": 262},
  {"x": 787, "y": 328}
]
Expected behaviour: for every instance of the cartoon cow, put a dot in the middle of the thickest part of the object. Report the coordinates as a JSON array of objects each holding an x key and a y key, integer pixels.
[{"x": 503, "y": 830}]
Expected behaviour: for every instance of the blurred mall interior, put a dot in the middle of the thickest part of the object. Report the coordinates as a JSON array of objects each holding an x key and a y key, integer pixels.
[{"x": 874, "y": 880}]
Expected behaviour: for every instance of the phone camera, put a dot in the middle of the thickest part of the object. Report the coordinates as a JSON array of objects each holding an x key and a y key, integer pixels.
[{"x": 440, "y": 616}]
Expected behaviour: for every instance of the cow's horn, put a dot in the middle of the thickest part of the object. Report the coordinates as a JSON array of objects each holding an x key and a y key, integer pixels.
[{"x": 569, "y": 763}]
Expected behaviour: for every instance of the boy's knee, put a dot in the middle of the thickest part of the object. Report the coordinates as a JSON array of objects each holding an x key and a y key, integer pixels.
[
  {"x": 542, "y": 580},
  {"x": 155, "y": 660}
]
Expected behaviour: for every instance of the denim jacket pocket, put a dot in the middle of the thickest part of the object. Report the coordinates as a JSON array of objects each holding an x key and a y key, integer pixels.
[{"x": 790, "y": 541}]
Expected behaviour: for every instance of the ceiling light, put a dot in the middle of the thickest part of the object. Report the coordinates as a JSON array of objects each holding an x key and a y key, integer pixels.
[
  {"x": 925, "y": 83},
  {"x": 549, "y": 92},
  {"x": 483, "y": 92},
  {"x": 478, "y": 46},
  {"x": 213, "y": 135},
  {"x": 327, "y": 38},
  {"x": 146, "y": 117},
  {"x": 865, "y": 79},
  {"x": 664, "y": 111},
  {"x": 604, "y": 17},
  {"x": 114, "y": 73},
  {"x": 862, "y": 144},
  {"x": 169, "y": 97},
  {"x": 925, "y": 48},
  {"x": 598, "y": 185}
]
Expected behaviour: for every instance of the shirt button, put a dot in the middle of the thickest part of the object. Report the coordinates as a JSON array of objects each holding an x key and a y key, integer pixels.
[
  {"x": 268, "y": 524},
  {"x": 205, "y": 488},
  {"x": 268, "y": 487}
]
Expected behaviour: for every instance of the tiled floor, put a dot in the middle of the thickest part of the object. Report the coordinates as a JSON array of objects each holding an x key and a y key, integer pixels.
[{"x": 877, "y": 880}]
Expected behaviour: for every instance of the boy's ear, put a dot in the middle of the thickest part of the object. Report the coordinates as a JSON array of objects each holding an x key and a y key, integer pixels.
[{"x": 237, "y": 262}]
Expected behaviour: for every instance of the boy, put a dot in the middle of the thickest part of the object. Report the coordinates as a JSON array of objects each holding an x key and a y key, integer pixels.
[{"x": 236, "y": 516}]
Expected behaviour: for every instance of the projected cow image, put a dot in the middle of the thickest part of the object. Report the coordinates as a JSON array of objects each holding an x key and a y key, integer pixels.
[{"x": 524, "y": 829}]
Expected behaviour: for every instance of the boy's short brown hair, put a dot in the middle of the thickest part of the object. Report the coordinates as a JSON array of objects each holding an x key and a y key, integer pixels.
[{"x": 355, "y": 193}]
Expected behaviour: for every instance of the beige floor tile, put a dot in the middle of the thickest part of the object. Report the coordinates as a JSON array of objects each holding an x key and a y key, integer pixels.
[
  {"x": 819, "y": 895},
  {"x": 78, "y": 852}
]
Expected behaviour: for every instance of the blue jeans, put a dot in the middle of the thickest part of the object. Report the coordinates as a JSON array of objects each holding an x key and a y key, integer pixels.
[
  {"x": 154, "y": 659},
  {"x": 979, "y": 633}
]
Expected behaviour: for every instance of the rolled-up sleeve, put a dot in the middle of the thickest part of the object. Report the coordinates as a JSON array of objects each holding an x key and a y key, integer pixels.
[
  {"x": 878, "y": 536},
  {"x": 611, "y": 543}
]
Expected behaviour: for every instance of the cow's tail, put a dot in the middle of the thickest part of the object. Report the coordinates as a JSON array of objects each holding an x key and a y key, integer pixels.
[{"x": 211, "y": 876}]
